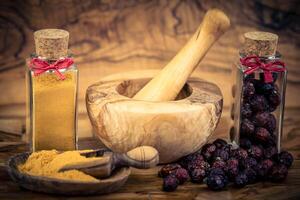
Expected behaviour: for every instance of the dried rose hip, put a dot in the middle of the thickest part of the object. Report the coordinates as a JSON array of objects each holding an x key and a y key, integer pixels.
[
  {"x": 222, "y": 153},
  {"x": 241, "y": 180},
  {"x": 219, "y": 164},
  {"x": 274, "y": 98},
  {"x": 186, "y": 160},
  {"x": 248, "y": 163},
  {"x": 259, "y": 103},
  {"x": 264, "y": 167},
  {"x": 270, "y": 152},
  {"x": 262, "y": 135},
  {"x": 248, "y": 90},
  {"x": 271, "y": 124},
  {"x": 170, "y": 183},
  {"x": 208, "y": 151},
  {"x": 245, "y": 143},
  {"x": 182, "y": 175},
  {"x": 168, "y": 170},
  {"x": 232, "y": 168},
  {"x": 261, "y": 119},
  {"x": 216, "y": 182},
  {"x": 232, "y": 162},
  {"x": 198, "y": 164},
  {"x": 197, "y": 175},
  {"x": 286, "y": 159},
  {"x": 246, "y": 110},
  {"x": 256, "y": 152},
  {"x": 265, "y": 88},
  {"x": 247, "y": 128},
  {"x": 278, "y": 173},
  {"x": 219, "y": 143},
  {"x": 251, "y": 174},
  {"x": 239, "y": 154}
]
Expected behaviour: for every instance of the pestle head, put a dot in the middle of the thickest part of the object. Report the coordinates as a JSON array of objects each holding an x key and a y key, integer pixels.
[{"x": 215, "y": 22}]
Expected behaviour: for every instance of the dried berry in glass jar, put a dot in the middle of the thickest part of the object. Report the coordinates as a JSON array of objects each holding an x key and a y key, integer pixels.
[{"x": 260, "y": 82}]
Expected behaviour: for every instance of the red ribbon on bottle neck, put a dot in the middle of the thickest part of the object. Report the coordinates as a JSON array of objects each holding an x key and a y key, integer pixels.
[
  {"x": 39, "y": 66},
  {"x": 254, "y": 63}
]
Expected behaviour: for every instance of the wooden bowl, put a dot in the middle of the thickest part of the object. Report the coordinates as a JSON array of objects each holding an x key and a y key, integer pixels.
[
  {"x": 65, "y": 187},
  {"x": 174, "y": 128}
]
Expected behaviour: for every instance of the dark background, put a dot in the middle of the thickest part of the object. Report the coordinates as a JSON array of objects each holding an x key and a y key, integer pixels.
[{"x": 119, "y": 36}]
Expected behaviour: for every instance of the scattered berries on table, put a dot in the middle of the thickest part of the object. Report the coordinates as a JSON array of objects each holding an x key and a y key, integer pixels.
[
  {"x": 251, "y": 175},
  {"x": 168, "y": 170},
  {"x": 239, "y": 154},
  {"x": 182, "y": 175},
  {"x": 219, "y": 163},
  {"x": 216, "y": 182},
  {"x": 170, "y": 183},
  {"x": 264, "y": 167},
  {"x": 286, "y": 159},
  {"x": 248, "y": 163},
  {"x": 208, "y": 151},
  {"x": 197, "y": 175},
  {"x": 241, "y": 180},
  {"x": 270, "y": 152},
  {"x": 278, "y": 173},
  {"x": 222, "y": 153}
]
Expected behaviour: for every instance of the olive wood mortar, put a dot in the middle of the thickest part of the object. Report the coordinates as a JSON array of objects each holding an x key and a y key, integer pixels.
[
  {"x": 174, "y": 128},
  {"x": 149, "y": 115}
]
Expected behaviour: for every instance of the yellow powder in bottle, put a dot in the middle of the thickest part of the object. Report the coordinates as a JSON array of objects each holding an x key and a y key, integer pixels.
[
  {"x": 47, "y": 163},
  {"x": 54, "y": 111}
]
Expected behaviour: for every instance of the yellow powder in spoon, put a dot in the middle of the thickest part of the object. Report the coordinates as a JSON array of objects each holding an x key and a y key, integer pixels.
[{"x": 48, "y": 162}]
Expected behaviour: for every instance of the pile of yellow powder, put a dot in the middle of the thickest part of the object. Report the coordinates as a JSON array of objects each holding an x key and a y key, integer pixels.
[{"x": 48, "y": 163}]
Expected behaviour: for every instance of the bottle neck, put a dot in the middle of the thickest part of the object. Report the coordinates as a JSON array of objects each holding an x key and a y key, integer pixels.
[
  {"x": 277, "y": 56},
  {"x": 34, "y": 55}
]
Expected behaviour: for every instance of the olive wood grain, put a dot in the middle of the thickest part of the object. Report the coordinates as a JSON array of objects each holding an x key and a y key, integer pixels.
[
  {"x": 168, "y": 83},
  {"x": 174, "y": 128}
]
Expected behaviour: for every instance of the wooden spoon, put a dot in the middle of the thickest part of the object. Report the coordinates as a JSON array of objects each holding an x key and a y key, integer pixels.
[{"x": 142, "y": 157}]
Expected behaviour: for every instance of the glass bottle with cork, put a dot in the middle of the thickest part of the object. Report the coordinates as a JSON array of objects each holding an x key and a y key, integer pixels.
[
  {"x": 259, "y": 93},
  {"x": 52, "y": 81}
]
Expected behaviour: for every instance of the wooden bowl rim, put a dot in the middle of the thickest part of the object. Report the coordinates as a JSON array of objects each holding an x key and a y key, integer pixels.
[
  {"x": 12, "y": 169},
  {"x": 189, "y": 99}
]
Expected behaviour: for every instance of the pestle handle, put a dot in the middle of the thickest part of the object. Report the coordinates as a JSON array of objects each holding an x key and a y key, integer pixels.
[
  {"x": 142, "y": 157},
  {"x": 168, "y": 83}
]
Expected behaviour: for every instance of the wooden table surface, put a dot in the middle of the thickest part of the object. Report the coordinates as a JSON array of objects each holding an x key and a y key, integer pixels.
[{"x": 144, "y": 184}]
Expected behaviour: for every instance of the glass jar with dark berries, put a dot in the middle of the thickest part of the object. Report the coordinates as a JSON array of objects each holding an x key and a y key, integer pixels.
[{"x": 259, "y": 92}]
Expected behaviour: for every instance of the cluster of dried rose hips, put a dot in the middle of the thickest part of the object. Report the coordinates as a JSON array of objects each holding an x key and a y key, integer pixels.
[
  {"x": 258, "y": 124},
  {"x": 218, "y": 163}
]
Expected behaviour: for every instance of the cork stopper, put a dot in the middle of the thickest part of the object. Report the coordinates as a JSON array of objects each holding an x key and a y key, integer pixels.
[
  {"x": 258, "y": 43},
  {"x": 51, "y": 43}
]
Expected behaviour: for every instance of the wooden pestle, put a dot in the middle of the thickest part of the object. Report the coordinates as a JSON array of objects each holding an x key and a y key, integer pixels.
[{"x": 168, "y": 83}]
